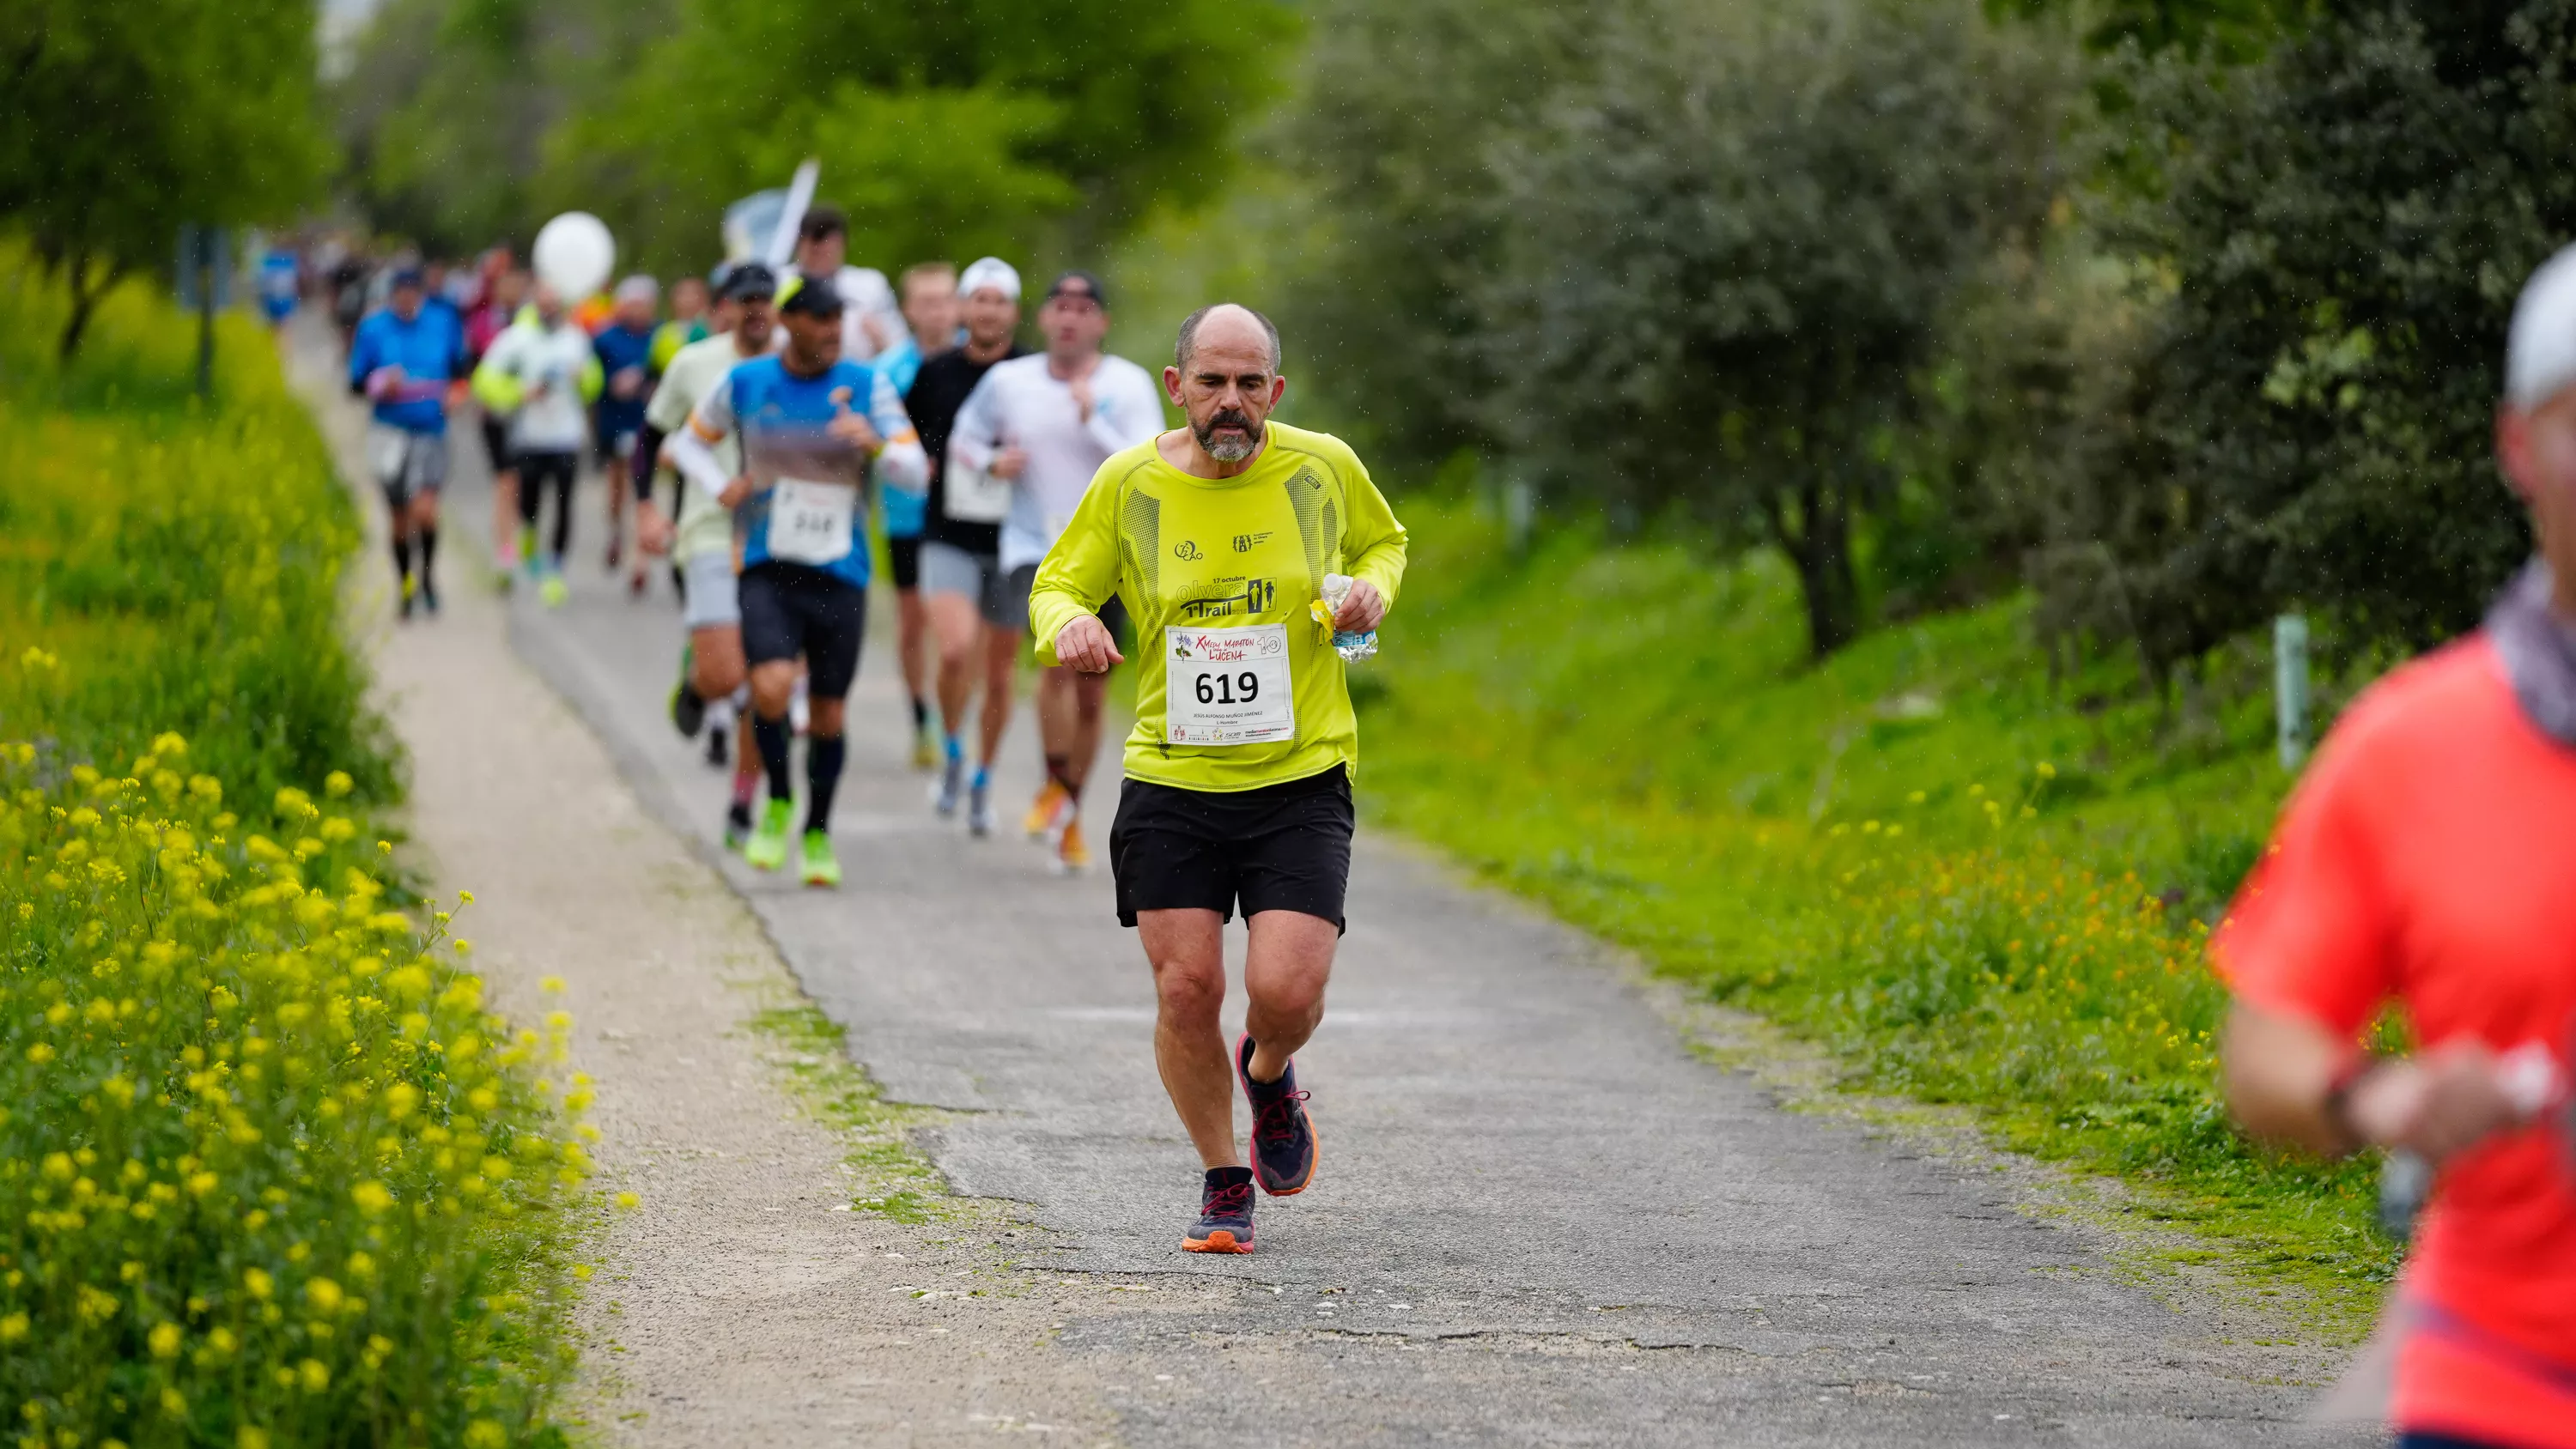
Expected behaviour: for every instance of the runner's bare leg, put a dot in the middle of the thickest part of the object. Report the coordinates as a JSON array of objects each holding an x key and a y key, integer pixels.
[
  {"x": 1284, "y": 974},
  {"x": 1187, "y": 951}
]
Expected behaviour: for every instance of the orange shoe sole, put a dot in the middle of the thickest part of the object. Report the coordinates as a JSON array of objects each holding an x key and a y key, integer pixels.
[{"x": 1219, "y": 1241}]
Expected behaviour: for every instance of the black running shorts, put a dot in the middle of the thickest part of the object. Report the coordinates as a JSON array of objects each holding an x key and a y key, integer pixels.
[
  {"x": 496, "y": 443},
  {"x": 789, "y": 609},
  {"x": 1283, "y": 847},
  {"x": 903, "y": 560}
]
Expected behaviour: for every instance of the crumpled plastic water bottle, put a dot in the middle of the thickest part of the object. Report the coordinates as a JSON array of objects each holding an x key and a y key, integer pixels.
[{"x": 1352, "y": 647}]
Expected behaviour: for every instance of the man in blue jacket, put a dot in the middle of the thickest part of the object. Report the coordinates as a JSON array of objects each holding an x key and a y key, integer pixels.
[{"x": 403, "y": 359}]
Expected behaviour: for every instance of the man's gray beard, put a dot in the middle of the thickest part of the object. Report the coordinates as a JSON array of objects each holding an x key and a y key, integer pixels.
[{"x": 1232, "y": 449}]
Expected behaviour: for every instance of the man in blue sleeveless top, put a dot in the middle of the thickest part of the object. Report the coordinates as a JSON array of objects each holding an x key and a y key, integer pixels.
[{"x": 816, "y": 431}]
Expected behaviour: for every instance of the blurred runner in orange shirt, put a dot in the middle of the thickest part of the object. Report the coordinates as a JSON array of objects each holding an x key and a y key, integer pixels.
[{"x": 2428, "y": 861}]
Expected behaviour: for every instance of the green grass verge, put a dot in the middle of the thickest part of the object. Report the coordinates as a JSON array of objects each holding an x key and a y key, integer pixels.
[
  {"x": 269, "y": 1173},
  {"x": 1974, "y": 884},
  {"x": 889, "y": 1176}
]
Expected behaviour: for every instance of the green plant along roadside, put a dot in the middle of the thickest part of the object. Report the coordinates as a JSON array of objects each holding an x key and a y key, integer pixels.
[
  {"x": 889, "y": 1175},
  {"x": 1973, "y": 888},
  {"x": 269, "y": 1172}
]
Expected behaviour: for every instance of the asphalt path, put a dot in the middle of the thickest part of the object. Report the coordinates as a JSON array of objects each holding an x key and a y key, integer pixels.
[{"x": 1539, "y": 1219}]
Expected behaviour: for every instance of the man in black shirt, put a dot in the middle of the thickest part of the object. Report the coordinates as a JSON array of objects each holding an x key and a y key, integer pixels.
[{"x": 972, "y": 610}]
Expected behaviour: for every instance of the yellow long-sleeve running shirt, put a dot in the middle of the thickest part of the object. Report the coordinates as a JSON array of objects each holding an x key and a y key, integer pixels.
[{"x": 1195, "y": 558}]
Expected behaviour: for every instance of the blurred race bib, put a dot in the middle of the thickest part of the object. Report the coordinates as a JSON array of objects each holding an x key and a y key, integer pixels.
[
  {"x": 810, "y": 522},
  {"x": 975, "y": 496}
]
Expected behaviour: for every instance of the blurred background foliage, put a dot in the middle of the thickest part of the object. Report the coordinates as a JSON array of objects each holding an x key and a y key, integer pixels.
[
  {"x": 944, "y": 127},
  {"x": 2174, "y": 313}
]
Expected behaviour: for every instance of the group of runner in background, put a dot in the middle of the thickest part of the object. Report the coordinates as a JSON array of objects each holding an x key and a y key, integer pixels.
[
  {"x": 566, "y": 386},
  {"x": 1027, "y": 494}
]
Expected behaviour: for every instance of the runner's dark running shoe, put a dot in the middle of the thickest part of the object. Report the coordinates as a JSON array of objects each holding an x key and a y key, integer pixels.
[
  {"x": 1283, "y": 1137},
  {"x": 688, "y": 711},
  {"x": 1225, "y": 1213}
]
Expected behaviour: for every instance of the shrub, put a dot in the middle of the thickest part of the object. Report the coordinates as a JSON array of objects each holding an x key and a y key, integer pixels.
[
  {"x": 268, "y": 1171},
  {"x": 2337, "y": 236},
  {"x": 183, "y": 560},
  {"x": 267, "y": 1167}
]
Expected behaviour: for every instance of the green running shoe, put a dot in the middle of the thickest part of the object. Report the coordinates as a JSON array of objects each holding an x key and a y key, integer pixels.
[
  {"x": 821, "y": 868},
  {"x": 767, "y": 847},
  {"x": 553, "y": 591}
]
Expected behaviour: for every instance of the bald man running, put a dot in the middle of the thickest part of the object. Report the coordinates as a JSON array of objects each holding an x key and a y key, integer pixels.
[{"x": 1219, "y": 536}]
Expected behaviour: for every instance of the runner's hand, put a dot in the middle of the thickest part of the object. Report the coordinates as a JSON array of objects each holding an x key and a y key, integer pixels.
[
  {"x": 1363, "y": 608},
  {"x": 384, "y": 382},
  {"x": 628, "y": 382},
  {"x": 1086, "y": 644},
  {"x": 2436, "y": 1104},
  {"x": 736, "y": 491},
  {"x": 652, "y": 530},
  {"x": 856, "y": 431},
  {"x": 1080, "y": 388},
  {"x": 1009, "y": 463}
]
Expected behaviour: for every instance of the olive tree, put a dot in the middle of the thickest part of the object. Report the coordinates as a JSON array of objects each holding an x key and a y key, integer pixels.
[
  {"x": 2334, "y": 252},
  {"x": 1731, "y": 256}
]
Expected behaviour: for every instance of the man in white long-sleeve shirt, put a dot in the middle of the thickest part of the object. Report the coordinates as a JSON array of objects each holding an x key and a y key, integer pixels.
[
  {"x": 1043, "y": 425},
  {"x": 815, "y": 431}
]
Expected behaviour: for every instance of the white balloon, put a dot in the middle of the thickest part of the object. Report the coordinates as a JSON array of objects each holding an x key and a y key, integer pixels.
[{"x": 574, "y": 254}]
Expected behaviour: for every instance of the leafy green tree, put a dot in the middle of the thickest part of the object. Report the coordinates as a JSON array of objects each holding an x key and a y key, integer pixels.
[
  {"x": 2336, "y": 249},
  {"x": 1404, "y": 109},
  {"x": 125, "y": 119},
  {"x": 447, "y": 107},
  {"x": 943, "y": 127},
  {"x": 1733, "y": 255}
]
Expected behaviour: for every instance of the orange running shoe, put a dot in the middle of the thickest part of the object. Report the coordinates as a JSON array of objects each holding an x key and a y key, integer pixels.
[
  {"x": 1071, "y": 855},
  {"x": 1225, "y": 1213},
  {"x": 1041, "y": 822}
]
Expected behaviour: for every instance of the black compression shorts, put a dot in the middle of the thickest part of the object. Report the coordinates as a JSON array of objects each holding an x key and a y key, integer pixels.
[
  {"x": 789, "y": 609},
  {"x": 1283, "y": 847},
  {"x": 903, "y": 560}
]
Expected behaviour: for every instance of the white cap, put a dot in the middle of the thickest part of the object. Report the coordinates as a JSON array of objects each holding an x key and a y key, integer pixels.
[
  {"x": 2540, "y": 351},
  {"x": 639, "y": 288},
  {"x": 989, "y": 272}
]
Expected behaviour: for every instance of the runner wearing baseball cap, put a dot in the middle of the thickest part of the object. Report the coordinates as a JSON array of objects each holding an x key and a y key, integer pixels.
[
  {"x": 2428, "y": 861},
  {"x": 817, "y": 432}
]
